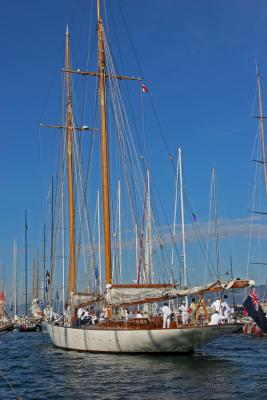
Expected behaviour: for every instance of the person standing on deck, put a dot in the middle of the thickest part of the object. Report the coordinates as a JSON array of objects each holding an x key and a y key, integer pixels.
[
  {"x": 79, "y": 316},
  {"x": 226, "y": 309},
  {"x": 216, "y": 305},
  {"x": 166, "y": 312},
  {"x": 215, "y": 318},
  {"x": 185, "y": 315},
  {"x": 192, "y": 310}
]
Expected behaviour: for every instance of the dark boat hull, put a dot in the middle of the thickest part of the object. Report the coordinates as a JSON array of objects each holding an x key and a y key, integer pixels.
[
  {"x": 25, "y": 328},
  {"x": 6, "y": 328}
]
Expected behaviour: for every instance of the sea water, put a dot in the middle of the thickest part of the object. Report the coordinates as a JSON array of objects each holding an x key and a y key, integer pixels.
[{"x": 232, "y": 367}]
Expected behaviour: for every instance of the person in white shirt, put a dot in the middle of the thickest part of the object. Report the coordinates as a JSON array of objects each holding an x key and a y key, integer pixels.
[
  {"x": 166, "y": 312},
  {"x": 216, "y": 305},
  {"x": 215, "y": 318},
  {"x": 185, "y": 315},
  {"x": 139, "y": 314},
  {"x": 79, "y": 316},
  {"x": 85, "y": 317},
  {"x": 226, "y": 310}
]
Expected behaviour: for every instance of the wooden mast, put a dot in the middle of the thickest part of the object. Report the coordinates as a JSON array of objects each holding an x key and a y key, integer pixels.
[
  {"x": 72, "y": 267},
  {"x": 104, "y": 146}
]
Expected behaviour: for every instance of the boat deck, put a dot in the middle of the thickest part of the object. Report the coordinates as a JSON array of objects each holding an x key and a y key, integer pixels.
[{"x": 137, "y": 323}]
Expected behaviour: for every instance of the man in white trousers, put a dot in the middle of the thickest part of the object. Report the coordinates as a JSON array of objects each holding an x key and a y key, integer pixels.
[{"x": 166, "y": 311}]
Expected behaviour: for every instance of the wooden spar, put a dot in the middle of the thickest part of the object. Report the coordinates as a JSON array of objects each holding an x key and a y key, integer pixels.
[
  {"x": 92, "y": 73},
  {"x": 72, "y": 268},
  {"x": 76, "y": 128},
  {"x": 144, "y": 285},
  {"x": 262, "y": 131},
  {"x": 104, "y": 146}
]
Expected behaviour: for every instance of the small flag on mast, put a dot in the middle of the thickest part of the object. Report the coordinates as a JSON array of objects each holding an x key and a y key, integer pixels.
[{"x": 144, "y": 88}]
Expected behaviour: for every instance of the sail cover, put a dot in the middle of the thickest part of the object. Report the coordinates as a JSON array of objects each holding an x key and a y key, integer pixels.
[
  {"x": 122, "y": 295},
  {"x": 138, "y": 294},
  {"x": 82, "y": 299}
]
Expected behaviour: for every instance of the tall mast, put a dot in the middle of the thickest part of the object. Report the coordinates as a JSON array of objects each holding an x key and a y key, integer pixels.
[
  {"x": 214, "y": 195},
  {"x": 26, "y": 263},
  {"x": 15, "y": 252},
  {"x": 44, "y": 266},
  {"x": 72, "y": 268},
  {"x": 182, "y": 216},
  {"x": 35, "y": 276},
  {"x": 262, "y": 130},
  {"x": 52, "y": 225},
  {"x": 174, "y": 219},
  {"x": 63, "y": 245},
  {"x": 104, "y": 146}
]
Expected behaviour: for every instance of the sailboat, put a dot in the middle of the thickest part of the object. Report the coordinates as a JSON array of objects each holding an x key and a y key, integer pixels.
[
  {"x": 5, "y": 321},
  {"x": 116, "y": 333}
]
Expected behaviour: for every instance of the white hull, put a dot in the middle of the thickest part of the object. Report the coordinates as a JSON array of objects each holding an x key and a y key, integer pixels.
[{"x": 174, "y": 340}]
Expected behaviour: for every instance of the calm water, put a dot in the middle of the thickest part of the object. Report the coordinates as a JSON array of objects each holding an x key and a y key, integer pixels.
[{"x": 232, "y": 367}]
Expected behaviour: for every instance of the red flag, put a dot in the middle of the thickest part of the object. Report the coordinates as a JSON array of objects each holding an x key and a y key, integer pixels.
[{"x": 144, "y": 88}]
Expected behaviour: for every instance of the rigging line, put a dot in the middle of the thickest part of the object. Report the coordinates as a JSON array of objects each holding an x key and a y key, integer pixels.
[
  {"x": 120, "y": 136},
  {"x": 74, "y": 12},
  {"x": 95, "y": 229},
  {"x": 84, "y": 198},
  {"x": 123, "y": 114},
  {"x": 141, "y": 148},
  {"x": 52, "y": 260},
  {"x": 85, "y": 90},
  {"x": 78, "y": 151},
  {"x": 41, "y": 172},
  {"x": 198, "y": 233},
  {"x": 130, "y": 38},
  {"x": 77, "y": 175},
  {"x": 252, "y": 168},
  {"x": 207, "y": 245},
  {"x": 79, "y": 178},
  {"x": 18, "y": 397},
  {"x": 214, "y": 194},
  {"x": 161, "y": 238},
  {"x": 254, "y": 99}
]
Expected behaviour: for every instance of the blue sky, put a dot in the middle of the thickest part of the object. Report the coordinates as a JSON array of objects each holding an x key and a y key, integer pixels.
[{"x": 198, "y": 60}]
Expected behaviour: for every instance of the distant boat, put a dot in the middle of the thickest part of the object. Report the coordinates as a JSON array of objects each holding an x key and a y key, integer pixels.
[
  {"x": 116, "y": 334},
  {"x": 26, "y": 327},
  {"x": 5, "y": 322}
]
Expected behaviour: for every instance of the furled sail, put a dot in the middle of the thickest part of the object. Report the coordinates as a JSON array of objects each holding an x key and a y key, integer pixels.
[
  {"x": 82, "y": 299},
  {"x": 122, "y": 295},
  {"x": 139, "y": 294}
]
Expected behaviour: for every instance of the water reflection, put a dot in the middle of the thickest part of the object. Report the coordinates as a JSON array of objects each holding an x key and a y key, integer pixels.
[{"x": 225, "y": 369}]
